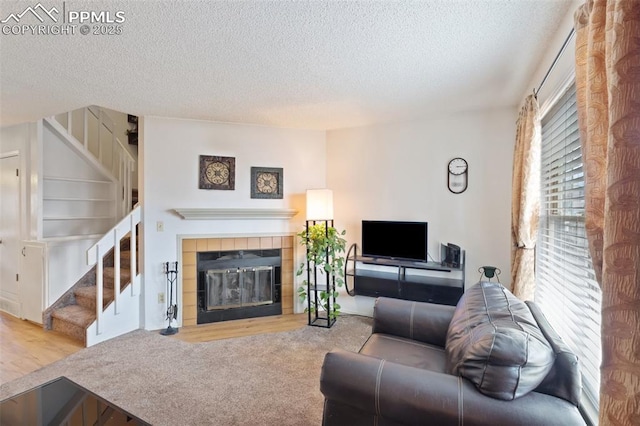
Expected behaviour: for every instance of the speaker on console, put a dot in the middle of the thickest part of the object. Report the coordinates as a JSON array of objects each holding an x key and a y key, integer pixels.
[{"x": 450, "y": 255}]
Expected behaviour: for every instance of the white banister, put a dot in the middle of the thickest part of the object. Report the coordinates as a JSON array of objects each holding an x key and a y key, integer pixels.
[
  {"x": 135, "y": 219},
  {"x": 100, "y": 149},
  {"x": 97, "y": 253},
  {"x": 124, "y": 172},
  {"x": 113, "y": 155},
  {"x": 116, "y": 269},
  {"x": 99, "y": 288},
  {"x": 85, "y": 130}
]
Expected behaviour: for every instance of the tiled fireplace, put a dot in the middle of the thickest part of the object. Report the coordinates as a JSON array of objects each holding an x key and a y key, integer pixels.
[{"x": 250, "y": 246}]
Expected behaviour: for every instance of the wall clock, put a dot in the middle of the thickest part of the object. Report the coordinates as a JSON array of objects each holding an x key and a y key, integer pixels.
[
  {"x": 458, "y": 175},
  {"x": 267, "y": 182},
  {"x": 217, "y": 172}
]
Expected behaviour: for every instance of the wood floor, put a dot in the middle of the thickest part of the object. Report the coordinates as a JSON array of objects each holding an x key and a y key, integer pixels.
[
  {"x": 26, "y": 347},
  {"x": 239, "y": 328}
]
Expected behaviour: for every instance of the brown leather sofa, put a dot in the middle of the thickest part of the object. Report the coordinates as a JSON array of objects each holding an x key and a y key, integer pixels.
[{"x": 406, "y": 374}]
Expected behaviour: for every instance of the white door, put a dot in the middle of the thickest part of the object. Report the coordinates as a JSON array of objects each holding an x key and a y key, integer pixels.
[
  {"x": 32, "y": 281},
  {"x": 9, "y": 234}
]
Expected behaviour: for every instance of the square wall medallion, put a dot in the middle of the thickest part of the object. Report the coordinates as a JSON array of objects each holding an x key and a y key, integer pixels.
[
  {"x": 217, "y": 172},
  {"x": 267, "y": 182}
]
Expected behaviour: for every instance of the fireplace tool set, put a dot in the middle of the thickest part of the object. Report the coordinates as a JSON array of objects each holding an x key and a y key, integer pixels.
[{"x": 171, "y": 271}]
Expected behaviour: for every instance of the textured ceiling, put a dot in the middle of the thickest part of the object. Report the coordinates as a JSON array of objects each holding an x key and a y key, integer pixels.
[{"x": 307, "y": 64}]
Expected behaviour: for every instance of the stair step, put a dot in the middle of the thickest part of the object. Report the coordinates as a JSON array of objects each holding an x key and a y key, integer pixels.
[
  {"x": 73, "y": 321},
  {"x": 125, "y": 242},
  {"x": 86, "y": 297},
  {"x": 109, "y": 274},
  {"x": 125, "y": 260},
  {"x": 76, "y": 315}
]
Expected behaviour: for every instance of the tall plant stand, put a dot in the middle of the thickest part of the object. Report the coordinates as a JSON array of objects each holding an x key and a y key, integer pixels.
[
  {"x": 319, "y": 315},
  {"x": 171, "y": 270}
]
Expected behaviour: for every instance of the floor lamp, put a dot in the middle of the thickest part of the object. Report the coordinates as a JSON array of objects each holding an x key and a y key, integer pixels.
[{"x": 319, "y": 210}]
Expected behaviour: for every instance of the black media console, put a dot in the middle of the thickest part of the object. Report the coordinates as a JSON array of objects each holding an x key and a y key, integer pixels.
[{"x": 419, "y": 281}]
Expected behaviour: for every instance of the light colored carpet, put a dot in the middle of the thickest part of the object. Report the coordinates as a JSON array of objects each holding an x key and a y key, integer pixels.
[{"x": 269, "y": 379}]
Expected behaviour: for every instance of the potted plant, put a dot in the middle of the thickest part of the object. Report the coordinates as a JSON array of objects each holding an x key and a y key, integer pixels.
[{"x": 325, "y": 247}]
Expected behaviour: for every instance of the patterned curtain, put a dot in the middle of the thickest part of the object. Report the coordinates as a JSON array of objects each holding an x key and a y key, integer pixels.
[
  {"x": 608, "y": 101},
  {"x": 525, "y": 200}
]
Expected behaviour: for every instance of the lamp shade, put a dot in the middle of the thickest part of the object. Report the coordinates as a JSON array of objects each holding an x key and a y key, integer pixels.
[{"x": 319, "y": 204}]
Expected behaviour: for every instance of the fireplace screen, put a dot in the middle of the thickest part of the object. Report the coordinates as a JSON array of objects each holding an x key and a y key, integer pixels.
[{"x": 234, "y": 288}]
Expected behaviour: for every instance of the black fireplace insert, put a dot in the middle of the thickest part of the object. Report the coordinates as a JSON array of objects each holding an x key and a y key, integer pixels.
[{"x": 238, "y": 284}]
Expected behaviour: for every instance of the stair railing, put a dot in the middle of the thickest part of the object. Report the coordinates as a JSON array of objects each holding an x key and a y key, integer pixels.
[
  {"x": 121, "y": 163},
  {"x": 97, "y": 253}
]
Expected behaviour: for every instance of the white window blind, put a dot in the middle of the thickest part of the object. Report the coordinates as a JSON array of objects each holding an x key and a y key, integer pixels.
[{"x": 566, "y": 289}]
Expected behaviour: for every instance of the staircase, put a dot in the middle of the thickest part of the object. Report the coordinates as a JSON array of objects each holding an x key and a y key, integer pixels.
[
  {"x": 74, "y": 318},
  {"x": 81, "y": 202},
  {"x": 105, "y": 303}
]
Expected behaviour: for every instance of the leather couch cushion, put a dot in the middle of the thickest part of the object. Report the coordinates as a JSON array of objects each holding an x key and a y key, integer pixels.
[
  {"x": 406, "y": 352},
  {"x": 494, "y": 341}
]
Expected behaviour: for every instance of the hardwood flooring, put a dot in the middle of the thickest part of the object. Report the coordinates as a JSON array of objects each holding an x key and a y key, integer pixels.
[
  {"x": 26, "y": 347},
  {"x": 242, "y": 327}
]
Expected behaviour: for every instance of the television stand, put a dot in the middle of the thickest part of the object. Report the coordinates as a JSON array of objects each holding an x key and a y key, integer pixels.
[{"x": 404, "y": 279}]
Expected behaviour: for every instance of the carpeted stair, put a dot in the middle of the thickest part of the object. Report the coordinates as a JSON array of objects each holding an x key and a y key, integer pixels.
[{"x": 74, "y": 318}]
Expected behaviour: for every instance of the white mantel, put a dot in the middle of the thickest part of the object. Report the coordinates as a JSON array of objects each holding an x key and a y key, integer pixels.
[{"x": 235, "y": 214}]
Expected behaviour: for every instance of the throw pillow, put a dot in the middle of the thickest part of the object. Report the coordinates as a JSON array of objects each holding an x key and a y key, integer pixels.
[{"x": 494, "y": 341}]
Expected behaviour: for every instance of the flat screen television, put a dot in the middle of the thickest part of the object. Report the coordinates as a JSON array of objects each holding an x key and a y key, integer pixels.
[{"x": 395, "y": 240}]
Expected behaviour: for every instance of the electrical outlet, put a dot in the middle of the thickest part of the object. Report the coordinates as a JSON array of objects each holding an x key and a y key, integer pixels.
[
  {"x": 160, "y": 297},
  {"x": 160, "y": 226}
]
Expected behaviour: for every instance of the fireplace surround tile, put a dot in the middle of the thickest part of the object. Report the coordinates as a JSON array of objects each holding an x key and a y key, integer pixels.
[
  {"x": 240, "y": 244},
  {"x": 190, "y": 285},
  {"x": 253, "y": 243},
  {"x": 201, "y": 244},
  {"x": 189, "y": 315},
  {"x": 287, "y": 254},
  {"x": 266, "y": 242},
  {"x": 189, "y": 273},
  {"x": 227, "y": 244},
  {"x": 189, "y": 258},
  {"x": 189, "y": 245},
  {"x": 213, "y": 244}
]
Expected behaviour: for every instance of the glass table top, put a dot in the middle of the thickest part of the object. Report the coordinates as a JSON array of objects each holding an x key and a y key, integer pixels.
[{"x": 63, "y": 402}]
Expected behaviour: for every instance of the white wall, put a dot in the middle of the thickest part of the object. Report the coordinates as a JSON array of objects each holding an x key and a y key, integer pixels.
[
  {"x": 13, "y": 138},
  {"x": 169, "y": 157},
  {"x": 62, "y": 161},
  {"x": 67, "y": 261},
  {"x": 399, "y": 172}
]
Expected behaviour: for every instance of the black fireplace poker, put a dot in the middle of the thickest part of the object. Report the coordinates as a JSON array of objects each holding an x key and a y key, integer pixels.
[{"x": 171, "y": 270}]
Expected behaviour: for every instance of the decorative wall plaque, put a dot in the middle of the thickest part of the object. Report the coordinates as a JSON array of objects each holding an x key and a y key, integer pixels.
[
  {"x": 217, "y": 172},
  {"x": 267, "y": 182}
]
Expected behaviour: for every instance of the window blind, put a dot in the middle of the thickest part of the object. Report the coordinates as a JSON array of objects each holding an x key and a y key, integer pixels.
[{"x": 566, "y": 289}]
